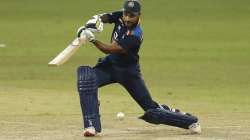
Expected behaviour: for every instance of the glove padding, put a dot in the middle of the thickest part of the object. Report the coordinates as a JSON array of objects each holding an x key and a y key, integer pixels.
[
  {"x": 88, "y": 35},
  {"x": 80, "y": 31},
  {"x": 95, "y": 24}
]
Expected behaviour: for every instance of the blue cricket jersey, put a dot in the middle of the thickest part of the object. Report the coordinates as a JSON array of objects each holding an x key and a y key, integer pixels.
[{"x": 128, "y": 39}]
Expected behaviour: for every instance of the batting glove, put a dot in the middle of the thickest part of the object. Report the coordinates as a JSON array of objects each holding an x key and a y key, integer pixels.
[
  {"x": 95, "y": 24},
  {"x": 89, "y": 35},
  {"x": 80, "y": 31}
]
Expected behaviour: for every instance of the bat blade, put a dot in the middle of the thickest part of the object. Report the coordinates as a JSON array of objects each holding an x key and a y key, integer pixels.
[{"x": 69, "y": 51}]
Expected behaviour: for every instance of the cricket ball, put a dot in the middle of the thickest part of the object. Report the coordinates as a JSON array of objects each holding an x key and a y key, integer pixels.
[{"x": 120, "y": 116}]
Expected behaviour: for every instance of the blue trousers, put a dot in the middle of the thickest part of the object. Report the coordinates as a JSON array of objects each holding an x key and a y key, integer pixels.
[
  {"x": 130, "y": 78},
  {"x": 89, "y": 79}
]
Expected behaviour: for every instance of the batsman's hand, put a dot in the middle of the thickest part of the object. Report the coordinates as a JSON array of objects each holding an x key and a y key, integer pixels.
[
  {"x": 95, "y": 24},
  {"x": 89, "y": 35}
]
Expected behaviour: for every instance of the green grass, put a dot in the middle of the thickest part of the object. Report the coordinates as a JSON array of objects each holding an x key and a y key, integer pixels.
[{"x": 195, "y": 56}]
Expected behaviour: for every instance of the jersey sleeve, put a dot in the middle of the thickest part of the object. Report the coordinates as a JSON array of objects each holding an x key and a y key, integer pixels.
[
  {"x": 130, "y": 42},
  {"x": 114, "y": 16}
]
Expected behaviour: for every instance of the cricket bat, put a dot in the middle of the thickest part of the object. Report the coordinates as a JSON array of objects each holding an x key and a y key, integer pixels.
[{"x": 64, "y": 56}]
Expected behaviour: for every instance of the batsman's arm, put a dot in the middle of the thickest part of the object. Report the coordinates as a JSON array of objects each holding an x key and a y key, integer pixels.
[
  {"x": 105, "y": 18},
  {"x": 111, "y": 17},
  {"x": 114, "y": 47}
]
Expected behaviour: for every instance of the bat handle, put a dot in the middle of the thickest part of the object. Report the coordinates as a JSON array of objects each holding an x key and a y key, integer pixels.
[{"x": 79, "y": 41}]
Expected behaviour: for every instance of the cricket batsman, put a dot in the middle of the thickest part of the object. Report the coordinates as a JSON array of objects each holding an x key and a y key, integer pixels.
[{"x": 121, "y": 65}]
